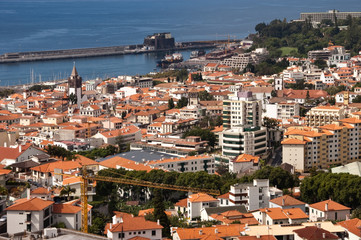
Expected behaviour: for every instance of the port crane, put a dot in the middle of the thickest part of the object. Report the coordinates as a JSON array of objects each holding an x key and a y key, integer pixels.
[{"x": 85, "y": 178}]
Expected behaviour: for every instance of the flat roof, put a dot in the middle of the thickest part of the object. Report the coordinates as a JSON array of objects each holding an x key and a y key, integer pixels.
[{"x": 141, "y": 155}]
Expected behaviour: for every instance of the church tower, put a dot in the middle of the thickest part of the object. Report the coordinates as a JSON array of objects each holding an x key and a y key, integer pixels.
[
  {"x": 193, "y": 97},
  {"x": 74, "y": 84}
]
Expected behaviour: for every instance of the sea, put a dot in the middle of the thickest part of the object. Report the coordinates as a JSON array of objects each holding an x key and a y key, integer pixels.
[{"x": 35, "y": 25}]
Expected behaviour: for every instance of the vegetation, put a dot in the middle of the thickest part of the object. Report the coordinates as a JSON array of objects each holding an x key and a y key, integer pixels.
[
  {"x": 342, "y": 187},
  {"x": 170, "y": 103},
  {"x": 205, "y": 134},
  {"x": 300, "y": 85},
  {"x": 356, "y": 213},
  {"x": 181, "y": 75},
  {"x": 277, "y": 176},
  {"x": 205, "y": 96},
  {"x": 197, "y": 77},
  {"x": 267, "y": 67},
  {"x": 39, "y": 88},
  {"x": 100, "y": 152},
  {"x": 333, "y": 90},
  {"x": 66, "y": 191},
  {"x": 56, "y": 151},
  {"x": 159, "y": 213},
  {"x": 320, "y": 63},
  {"x": 357, "y": 99},
  {"x": 278, "y": 34},
  {"x": 182, "y": 102},
  {"x": 6, "y": 92}
]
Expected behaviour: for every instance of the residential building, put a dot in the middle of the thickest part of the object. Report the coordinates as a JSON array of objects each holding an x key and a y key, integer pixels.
[
  {"x": 241, "y": 110},
  {"x": 324, "y": 115},
  {"x": 271, "y": 216},
  {"x": 282, "y": 110},
  {"x": 69, "y": 213},
  {"x": 125, "y": 226},
  {"x": 338, "y": 143},
  {"x": 243, "y": 163},
  {"x": 313, "y": 232},
  {"x": 352, "y": 227},
  {"x": 351, "y": 168},
  {"x": 185, "y": 164},
  {"x": 30, "y": 215},
  {"x": 328, "y": 210},
  {"x": 128, "y": 134},
  {"x": 253, "y": 195},
  {"x": 287, "y": 202},
  {"x": 244, "y": 140},
  {"x": 241, "y": 61},
  {"x": 196, "y": 202},
  {"x": 345, "y": 97},
  {"x": 9, "y": 155}
]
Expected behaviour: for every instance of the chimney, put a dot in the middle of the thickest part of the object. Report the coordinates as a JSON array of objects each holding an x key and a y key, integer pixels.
[
  {"x": 216, "y": 230},
  {"x": 283, "y": 201},
  {"x": 110, "y": 226},
  {"x": 258, "y": 236},
  {"x": 19, "y": 148},
  {"x": 326, "y": 207},
  {"x": 28, "y": 193},
  {"x": 158, "y": 222},
  {"x": 200, "y": 232},
  {"x": 114, "y": 219},
  {"x": 323, "y": 235},
  {"x": 5, "y": 144}
]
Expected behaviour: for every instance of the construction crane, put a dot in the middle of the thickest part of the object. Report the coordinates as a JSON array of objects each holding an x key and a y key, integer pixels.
[{"x": 86, "y": 177}]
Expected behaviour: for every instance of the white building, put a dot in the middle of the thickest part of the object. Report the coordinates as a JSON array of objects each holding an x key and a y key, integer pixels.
[
  {"x": 247, "y": 139},
  {"x": 282, "y": 110},
  {"x": 30, "y": 215},
  {"x": 328, "y": 210},
  {"x": 243, "y": 163},
  {"x": 271, "y": 216},
  {"x": 128, "y": 134},
  {"x": 196, "y": 202},
  {"x": 125, "y": 226},
  {"x": 242, "y": 109},
  {"x": 287, "y": 202},
  {"x": 253, "y": 196},
  {"x": 323, "y": 115}
]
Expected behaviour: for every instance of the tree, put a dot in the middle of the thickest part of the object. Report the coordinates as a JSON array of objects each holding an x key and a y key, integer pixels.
[
  {"x": 356, "y": 213},
  {"x": 124, "y": 113},
  {"x": 182, "y": 102},
  {"x": 67, "y": 190},
  {"x": 170, "y": 103},
  {"x": 205, "y": 96},
  {"x": 73, "y": 98},
  {"x": 274, "y": 93},
  {"x": 205, "y": 134},
  {"x": 60, "y": 152},
  {"x": 159, "y": 213},
  {"x": 357, "y": 99},
  {"x": 320, "y": 63},
  {"x": 270, "y": 123},
  {"x": 3, "y": 191}
]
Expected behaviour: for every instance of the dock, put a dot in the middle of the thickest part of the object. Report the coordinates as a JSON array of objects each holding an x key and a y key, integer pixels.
[{"x": 102, "y": 51}]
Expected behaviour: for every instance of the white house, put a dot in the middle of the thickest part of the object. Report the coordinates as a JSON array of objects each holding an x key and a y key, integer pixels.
[
  {"x": 196, "y": 202},
  {"x": 287, "y": 202},
  {"x": 352, "y": 227},
  {"x": 328, "y": 210},
  {"x": 30, "y": 215},
  {"x": 125, "y": 226},
  {"x": 270, "y": 216}
]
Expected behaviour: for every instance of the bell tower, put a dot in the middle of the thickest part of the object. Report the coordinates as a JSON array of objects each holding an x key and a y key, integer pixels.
[{"x": 74, "y": 84}]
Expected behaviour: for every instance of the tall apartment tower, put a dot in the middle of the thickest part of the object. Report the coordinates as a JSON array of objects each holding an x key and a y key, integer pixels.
[
  {"x": 74, "y": 84},
  {"x": 242, "y": 110}
]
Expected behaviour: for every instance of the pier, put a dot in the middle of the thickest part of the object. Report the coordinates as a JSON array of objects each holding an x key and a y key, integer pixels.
[{"x": 102, "y": 51}]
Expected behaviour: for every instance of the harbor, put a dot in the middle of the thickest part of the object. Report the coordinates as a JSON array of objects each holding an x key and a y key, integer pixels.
[{"x": 147, "y": 47}]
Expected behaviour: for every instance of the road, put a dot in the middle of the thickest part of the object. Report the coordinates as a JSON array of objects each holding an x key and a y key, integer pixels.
[{"x": 277, "y": 157}]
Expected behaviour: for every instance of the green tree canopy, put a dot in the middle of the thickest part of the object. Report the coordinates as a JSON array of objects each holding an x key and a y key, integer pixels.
[{"x": 205, "y": 134}]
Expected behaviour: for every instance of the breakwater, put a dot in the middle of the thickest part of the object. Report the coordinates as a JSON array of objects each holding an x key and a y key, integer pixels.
[{"x": 101, "y": 51}]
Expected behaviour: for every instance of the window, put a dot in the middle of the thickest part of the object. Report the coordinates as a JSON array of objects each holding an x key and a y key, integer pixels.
[{"x": 153, "y": 232}]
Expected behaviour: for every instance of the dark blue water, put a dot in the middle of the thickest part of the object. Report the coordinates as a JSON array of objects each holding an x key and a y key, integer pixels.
[{"x": 28, "y": 25}]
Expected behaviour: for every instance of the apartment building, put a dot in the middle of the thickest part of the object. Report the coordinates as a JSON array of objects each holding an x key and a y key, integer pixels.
[
  {"x": 323, "y": 115},
  {"x": 331, "y": 14},
  {"x": 244, "y": 140},
  {"x": 282, "y": 110},
  {"x": 242, "y": 109},
  {"x": 29, "y": 215},
  {"x": 196, "y": 202},
  {"x": 253, "y": 196},
  {"x": 338, "y": 143},
  {"x": 186, "y": 164},
  {"x": 242, "y": 60}
]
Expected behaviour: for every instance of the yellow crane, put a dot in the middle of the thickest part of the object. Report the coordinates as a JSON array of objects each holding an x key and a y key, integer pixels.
[{"x": 84, "y": 188}]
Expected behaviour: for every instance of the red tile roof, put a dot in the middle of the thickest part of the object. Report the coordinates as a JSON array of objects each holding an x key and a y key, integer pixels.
[
  {"x": 286, "y": 200},
  {"x": 33, "y": 204},
  {"x": 314, "y": 233},
  {"x": 353, "y": 226},
  {"x": 132, "y": 224},
  {"x": 331, "y": 205},
  {"x": 65, "y": 209}
]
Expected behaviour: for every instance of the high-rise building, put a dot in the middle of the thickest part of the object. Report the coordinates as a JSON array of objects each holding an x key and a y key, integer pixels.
[
  {"x": 74, "y": 85},
  {"x": 242, "y": 109}
]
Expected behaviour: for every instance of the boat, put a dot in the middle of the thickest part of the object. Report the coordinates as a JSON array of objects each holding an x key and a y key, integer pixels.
[
  {"x": 169, "y": 59},
  {"x": 198, "y": 53}
]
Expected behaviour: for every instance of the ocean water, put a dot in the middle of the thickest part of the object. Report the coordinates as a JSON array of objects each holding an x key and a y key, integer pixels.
[{"x": 32, "y": 25}]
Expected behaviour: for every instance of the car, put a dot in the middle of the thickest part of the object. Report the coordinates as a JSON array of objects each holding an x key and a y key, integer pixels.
[
  {"x": 3, "y": 218},
  {"x": 30, "y": 180}
]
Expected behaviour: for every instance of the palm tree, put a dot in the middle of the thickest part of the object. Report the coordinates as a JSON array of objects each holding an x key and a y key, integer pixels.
[{"x": 67, "y": 190}]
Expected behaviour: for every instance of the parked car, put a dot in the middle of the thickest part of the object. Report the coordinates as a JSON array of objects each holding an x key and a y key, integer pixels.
[{"x": 3, "y": 218}]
